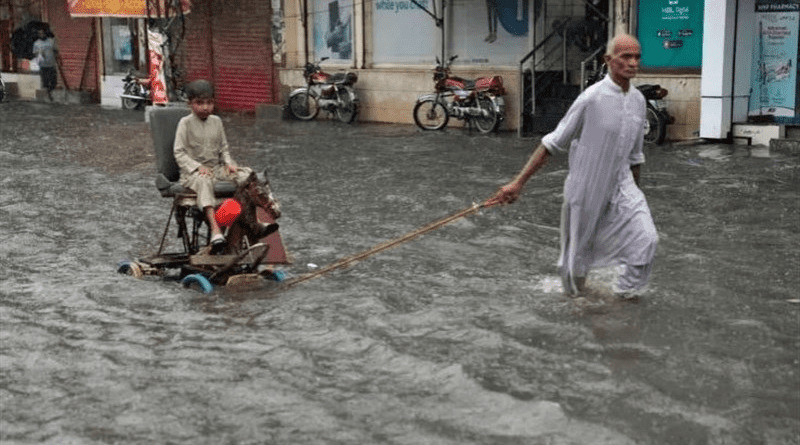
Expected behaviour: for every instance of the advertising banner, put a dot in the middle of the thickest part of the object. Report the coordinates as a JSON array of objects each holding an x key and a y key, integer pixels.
[
  {"x": 671, "y": 33},
  {"x": 122, "y": 42},
  {"x": 333, "y": 30},
  {"x": 490, "y": 32},
  {"x": 124, "y": 8},
  {"x": 774, "y": 79}
]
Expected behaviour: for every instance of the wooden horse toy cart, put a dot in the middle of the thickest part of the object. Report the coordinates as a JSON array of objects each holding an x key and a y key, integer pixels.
[{"x": 254, "y": 243}]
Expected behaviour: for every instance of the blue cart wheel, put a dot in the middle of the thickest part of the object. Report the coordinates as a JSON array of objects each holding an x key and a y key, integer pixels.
[
  {"x": 277, "y": 275},
  {"x": 200, "y": 280},
  {"x": 131, "y": 268}
]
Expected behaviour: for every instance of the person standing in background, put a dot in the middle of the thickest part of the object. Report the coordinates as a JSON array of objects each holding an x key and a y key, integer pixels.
[{"x": 45, "y": 50}]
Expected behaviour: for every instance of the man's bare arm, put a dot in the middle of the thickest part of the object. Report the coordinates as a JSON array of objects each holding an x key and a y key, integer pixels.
[
  {"x": 636, "y": 170},
  {"x": 511, "y": 191}
]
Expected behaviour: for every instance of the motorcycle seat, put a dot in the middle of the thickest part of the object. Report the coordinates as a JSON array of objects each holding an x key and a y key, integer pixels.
[
  {"x": 647, "y": 88},
  {"x": 163, "y": 123},
  {"x": 336, "y": 77}
]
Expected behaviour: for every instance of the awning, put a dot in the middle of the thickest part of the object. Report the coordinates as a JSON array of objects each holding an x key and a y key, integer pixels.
[{"x": 127, "y": 8}]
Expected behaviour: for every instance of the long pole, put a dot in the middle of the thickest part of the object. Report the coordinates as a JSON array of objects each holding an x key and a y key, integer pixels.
[{"x": 352, "y": 259}]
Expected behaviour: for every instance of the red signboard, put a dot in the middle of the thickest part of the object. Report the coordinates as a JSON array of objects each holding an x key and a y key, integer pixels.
[{"x": 125, "y": 8}]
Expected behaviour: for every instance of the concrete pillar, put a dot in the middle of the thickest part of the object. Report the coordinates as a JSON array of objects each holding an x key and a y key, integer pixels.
[
  {"x": 716, "y": 84},
  {"x": 745, "y": 27}
]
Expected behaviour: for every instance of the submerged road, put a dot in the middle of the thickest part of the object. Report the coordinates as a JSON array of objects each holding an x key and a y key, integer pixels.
[{"x": 461, "y": 336}]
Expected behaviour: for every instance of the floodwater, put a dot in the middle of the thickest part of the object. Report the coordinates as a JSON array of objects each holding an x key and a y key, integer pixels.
[{"x": 461, "y": 336}]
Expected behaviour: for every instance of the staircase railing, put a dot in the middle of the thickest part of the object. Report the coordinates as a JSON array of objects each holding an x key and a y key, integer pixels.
[
  {"x": 593, "y": 59},
  {"x": 546, "y": 58},
  {"x": 546, "y": 64}
]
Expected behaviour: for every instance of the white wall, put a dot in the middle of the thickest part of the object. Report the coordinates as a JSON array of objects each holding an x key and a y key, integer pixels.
[
  {"x": 27, "y": 84},
  {"x": 110, "y": 89}
]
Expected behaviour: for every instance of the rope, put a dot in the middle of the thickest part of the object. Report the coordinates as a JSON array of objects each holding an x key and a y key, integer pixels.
[{"x": 347, "y": 261}]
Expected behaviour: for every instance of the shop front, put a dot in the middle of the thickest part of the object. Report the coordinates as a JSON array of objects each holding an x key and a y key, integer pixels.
[
  {"x": 76, "y": 41},
  {"x": 750, "y": 75},
  {"x": 394, "y": 44},
  {"x": 168, "y": 42}
]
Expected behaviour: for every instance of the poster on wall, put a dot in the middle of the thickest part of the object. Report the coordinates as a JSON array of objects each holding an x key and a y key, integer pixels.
[
  {"x": 404, "y": 33},
  {"x": 122, "y": 42},
  {"x": 333, "y": 30},
  {"x": 490, "y": 32},
  {"x": 774, "y": 79},
  {"x": 671, "y": 33}
]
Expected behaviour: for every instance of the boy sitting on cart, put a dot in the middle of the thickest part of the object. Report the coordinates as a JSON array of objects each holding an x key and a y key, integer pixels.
[{"x": 201, "y": 152}]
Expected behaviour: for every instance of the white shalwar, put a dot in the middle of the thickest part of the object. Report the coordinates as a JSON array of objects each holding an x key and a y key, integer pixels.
[{"x": 605, "y": 220}]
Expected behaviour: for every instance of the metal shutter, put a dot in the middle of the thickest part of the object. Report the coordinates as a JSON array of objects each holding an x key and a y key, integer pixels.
[
  {"x": 242, "y": 49},
  {"x": 77, "y": 45},
  {"x": 229, "y": 43}
]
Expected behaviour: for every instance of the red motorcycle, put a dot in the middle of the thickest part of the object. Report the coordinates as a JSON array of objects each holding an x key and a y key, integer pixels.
[{"x": 479, "y": 102}]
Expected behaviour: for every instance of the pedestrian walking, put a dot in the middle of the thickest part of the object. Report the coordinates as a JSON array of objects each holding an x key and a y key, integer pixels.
[
  {"x": 46, "y": 51},
  {"x": 605, "y": 219}
]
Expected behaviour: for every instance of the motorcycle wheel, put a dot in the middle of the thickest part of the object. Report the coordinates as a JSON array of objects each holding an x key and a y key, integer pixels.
[
  {"x": 127, "y": 102},
  {"x": 655, "y": 130},
  {"x": 304, "y": 106},
  {"x": 486, "y": 124},
  {"x": 430, "y": 115},
  {"x": 347, "y": 109}
]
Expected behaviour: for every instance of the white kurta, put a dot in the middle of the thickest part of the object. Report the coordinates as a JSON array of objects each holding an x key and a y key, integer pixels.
[
  {"x": 203, "y": 142},
  {"x": 605, "y": 218}
]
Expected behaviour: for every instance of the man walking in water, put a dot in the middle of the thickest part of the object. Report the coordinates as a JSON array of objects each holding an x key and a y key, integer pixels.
[{"x": 605, "y": 219}]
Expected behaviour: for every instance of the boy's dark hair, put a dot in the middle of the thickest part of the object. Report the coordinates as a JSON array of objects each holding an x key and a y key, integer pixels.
[{"x": 200, "y": 89}]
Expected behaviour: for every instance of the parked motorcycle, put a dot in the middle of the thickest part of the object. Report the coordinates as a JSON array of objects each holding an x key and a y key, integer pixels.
[
  {"x": 479, "y": 102},
  {"x": 333, "y": 93},
  {"x": 136, "y": 93},
  {"x": 655, "y": 126}
]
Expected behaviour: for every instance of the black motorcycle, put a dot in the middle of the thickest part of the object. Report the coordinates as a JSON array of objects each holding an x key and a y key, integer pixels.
[
  {"x": 655, "y": 129},
  {"x": 136, "y": 92}
]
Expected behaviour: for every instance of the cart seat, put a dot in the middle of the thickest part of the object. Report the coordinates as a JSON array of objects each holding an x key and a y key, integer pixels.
[{"x": 163, "y": 124}]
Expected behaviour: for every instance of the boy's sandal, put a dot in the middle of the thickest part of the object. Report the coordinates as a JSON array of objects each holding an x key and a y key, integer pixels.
[{"x": 217, "y": 244}]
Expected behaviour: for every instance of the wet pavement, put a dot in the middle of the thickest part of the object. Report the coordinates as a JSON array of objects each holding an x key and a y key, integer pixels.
[{"x": 461, "y": 336}]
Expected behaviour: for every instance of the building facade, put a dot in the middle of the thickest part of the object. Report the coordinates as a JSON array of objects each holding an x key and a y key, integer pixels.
[
  {"x": 227, "y": 42},
  {"x": 691, "y": 47},
  {"x": 730, "y": 66}
]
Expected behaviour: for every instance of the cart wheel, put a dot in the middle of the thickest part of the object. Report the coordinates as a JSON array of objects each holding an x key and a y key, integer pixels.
[
  {"x": 276, "y": 275},
  {"x": 131, "y": 268},
  {"x": 201, "y": 281}
]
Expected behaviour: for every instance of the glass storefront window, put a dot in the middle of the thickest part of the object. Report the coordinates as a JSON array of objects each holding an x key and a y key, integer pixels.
[
  {"x": 333, "y": 30},
  {"x": 490, "y": 32},
  {"x": 404, "y": 33},
  {"x": 121, "y": 49}
]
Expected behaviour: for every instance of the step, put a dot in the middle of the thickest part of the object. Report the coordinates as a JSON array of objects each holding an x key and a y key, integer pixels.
[
  {"x": 65, "y": 96},
  {"x": 785, "y": 146},
  {"x": 541, "y": 123}
]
